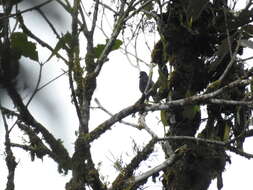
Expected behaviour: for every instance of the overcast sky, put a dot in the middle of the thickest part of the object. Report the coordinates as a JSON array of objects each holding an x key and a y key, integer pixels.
[{"x": 117, "y": 88}]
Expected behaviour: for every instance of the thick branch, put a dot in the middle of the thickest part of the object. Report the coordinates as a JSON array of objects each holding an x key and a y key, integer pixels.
[
  {"x": 115, "y": 118},
  {"x": 10, "y": 158},
  {"x": 138, "y": 179},
  {"x": 26, "y": 117},
  {"x": 197, "y": 99},
  {"x": 37, "y": 39},
  {"x": 117, "y": 29},
  {"x": 127, "y": 172}
]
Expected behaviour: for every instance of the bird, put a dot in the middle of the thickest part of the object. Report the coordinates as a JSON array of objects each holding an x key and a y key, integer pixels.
[{"x": 143, "y": 82}]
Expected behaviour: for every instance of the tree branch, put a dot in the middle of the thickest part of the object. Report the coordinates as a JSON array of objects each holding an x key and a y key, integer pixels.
[
  {"x": 127, "y": 172},
  {"x": 143, "y": 177},
  {"x": 37, "y": 39},
  {"x": 27, "y": 10},
  {"x": 26, "y": 117},
  {"x": 197, "y": 99},
  {"x": 100, "y": 106},
  {"x": 10, "y": 158},
  {"x": 116, "y": 30}
]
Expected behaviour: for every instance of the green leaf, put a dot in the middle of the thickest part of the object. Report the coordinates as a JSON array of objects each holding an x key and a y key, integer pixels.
[
  {"x": 63, "y": 42},
  {"x": 116, "y": 44},
  {"x": 213, "y": 86},
  {"x": 100, "y": 47},
  {"x": 227, "y": 129},
  {"x": 190, "y": 111},
  {"x": 26, "y": 48},
  {"x": 164, "y": 117},
  {"x": 98, "y": 50}
]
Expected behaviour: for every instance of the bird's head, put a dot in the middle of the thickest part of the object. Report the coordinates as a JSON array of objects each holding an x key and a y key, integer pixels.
[{"x": 143, "y": 74}]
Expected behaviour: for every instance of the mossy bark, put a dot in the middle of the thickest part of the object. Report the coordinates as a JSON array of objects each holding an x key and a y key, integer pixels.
[{"x": 193, "y": 48}]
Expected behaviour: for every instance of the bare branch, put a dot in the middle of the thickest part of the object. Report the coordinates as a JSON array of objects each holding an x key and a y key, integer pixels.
[
  {"x": 143, "y": 125},
  {"x": 141, "y": 120},
  {"x": 226, "y": 145},
  {"x": 51, "y": 81},
  {"x": 197, "y": 99},
  {"x": 231, "y": 102},
  {"x": 140, "y": 8},
  {"x": 100, "y": 106},
  {"x": 27, "y": 10},
  {"x": 84, "y": 26},
  {"x": 117, "y": 28},
  {"x": 168, "y": 162},
  {"x": 108, "y": 7},
  {"x": 8, "y": 112},
  {"x": 36, "y": 87},
  {"x": 49, "y": 23},
  {"x": 95, "y": 16},
  {"x": 127, "y": 172},
  {"x": 240, "y": 152},
  {"x": 189, "y": 138},
  {"x": 26, "y": 117},
  {"x": 37, "y": 39},
  {"x": 248, "y": 133},
  {"x": 10, "y": 158},
  {"x": 233, "y": 57}
]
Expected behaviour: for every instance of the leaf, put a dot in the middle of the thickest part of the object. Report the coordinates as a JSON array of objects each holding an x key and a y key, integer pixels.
[
  {"x": 190, "y": 111},
  {"x": 248, "y": 29},
  {"x": 26, "y": 48},
  {"x": 227, "y": 129},
  {"x": 213, "y": 86},
  {"x": 195, "y": 8},
  {"x": 98, "y": 50},
  {"x": 100, "y": 47},
  {"x": 63, "y": 42},
  {"x": 116, "y": 44},
  {"x": 164, "y": 117}
]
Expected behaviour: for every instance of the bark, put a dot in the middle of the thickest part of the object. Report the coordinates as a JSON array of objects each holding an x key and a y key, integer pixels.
[{"x": 201, "y": 49}]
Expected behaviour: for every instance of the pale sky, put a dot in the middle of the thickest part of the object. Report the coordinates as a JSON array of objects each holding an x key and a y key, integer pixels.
[{"x": 117, "y": 88}]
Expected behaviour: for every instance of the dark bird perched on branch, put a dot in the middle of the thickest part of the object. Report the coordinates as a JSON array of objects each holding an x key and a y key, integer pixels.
[{"x": 143, "y": 82}]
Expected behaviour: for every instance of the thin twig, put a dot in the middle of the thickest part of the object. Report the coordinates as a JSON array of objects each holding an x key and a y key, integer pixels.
[
  {"x": 95, "y": 17},
  {"x": 83, "y": 24},
  {"x": 108, "y": 7},
  {"x": 117, "y": 29},
  {"x": 49, "y": 23},
  {"x": 50, "y": 81},
  {"x": 10, "y": 158},
  {"x": 168, "y": 162},
  {"x": 37, "y": 39},
  {"x": 232, "y": 60},
  {"x": 36, "y": 87},
  {"x": 100, "y": 106},
  {"x": 240, "y": 152},
  {"x": 143, "y": 125},
  {"x": 197, "y": 99},
  {"x": 27, "y": 10}
]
